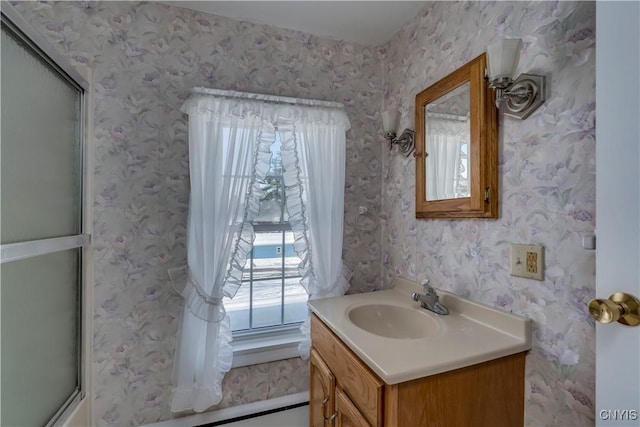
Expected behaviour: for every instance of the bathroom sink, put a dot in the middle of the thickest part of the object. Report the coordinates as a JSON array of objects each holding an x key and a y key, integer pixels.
[
  {"x": 393, "y": 321},
  {"x": 400, "y": 341}
]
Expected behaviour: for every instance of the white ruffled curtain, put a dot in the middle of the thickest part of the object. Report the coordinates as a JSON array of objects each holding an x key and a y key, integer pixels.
[
  {"x": 313, "y": 157},
  {"x": 229, "y": 138},
  {"x": 445, "y": 138}
]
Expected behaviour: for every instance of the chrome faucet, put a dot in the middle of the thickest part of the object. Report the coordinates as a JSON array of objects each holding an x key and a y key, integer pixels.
[{"x": 430, "y": 299}]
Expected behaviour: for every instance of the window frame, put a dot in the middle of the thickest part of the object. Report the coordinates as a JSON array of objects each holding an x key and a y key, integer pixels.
[{"x": 19, "y": 27}]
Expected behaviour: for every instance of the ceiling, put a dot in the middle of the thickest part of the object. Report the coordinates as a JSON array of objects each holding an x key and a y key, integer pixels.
[{"x": 364, "y": 22}]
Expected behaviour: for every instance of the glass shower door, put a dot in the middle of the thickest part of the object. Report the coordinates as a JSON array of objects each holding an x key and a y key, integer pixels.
[{"x": 41, "y": 234}]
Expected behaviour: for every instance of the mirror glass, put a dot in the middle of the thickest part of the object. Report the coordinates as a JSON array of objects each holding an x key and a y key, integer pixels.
[{"x": 447, "y": 137}]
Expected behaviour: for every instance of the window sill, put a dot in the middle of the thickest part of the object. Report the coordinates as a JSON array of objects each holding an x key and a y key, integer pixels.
[{"x": 256, "y": 348}]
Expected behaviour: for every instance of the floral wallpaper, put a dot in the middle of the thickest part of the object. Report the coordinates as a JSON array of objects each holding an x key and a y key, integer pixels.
[
  {"x": 547, "y": 189},
  {"x": 146, "y": 58}
]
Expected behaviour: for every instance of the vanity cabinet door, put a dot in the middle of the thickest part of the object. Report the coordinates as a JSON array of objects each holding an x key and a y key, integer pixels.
[
  {"x": 321, "y": 392},
  {"x": 347, "y": 413},
  {"x": 364, "y": 388}
]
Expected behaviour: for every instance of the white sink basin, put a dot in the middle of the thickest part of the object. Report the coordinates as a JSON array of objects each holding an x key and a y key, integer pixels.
[{"x": 393, "y": 321}]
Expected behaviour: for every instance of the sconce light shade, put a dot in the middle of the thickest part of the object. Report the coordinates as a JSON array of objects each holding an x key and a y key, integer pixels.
[
  {"x": 502, "y": 59},
  {"x": 390, "y": 119},
  {"x": 520, "y": 97}
]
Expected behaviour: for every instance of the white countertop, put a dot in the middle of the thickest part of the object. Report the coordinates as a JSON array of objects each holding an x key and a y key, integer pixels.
[{"x": 472, "y": 333}]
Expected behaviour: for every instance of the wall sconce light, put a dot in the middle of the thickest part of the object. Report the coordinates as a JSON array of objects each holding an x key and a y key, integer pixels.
[
  {"x": 521, "y": 97},
  {"x": 390, "y": 119}
]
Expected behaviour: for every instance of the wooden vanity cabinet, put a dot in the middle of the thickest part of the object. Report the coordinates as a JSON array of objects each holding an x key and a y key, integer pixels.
[{"x": 487, "y": 394}]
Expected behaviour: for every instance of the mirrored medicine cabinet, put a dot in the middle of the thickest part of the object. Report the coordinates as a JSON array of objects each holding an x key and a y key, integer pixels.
[{"x": 457, "y": 146}]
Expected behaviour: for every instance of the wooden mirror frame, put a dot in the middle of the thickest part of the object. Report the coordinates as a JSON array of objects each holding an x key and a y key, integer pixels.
[{"x": 483, "y": 147}]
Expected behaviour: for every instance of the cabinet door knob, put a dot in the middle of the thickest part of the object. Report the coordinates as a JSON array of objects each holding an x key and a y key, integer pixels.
[
  {"x": 326, "y": 399},
  {"x": 331, "y": 418},
  {"x": 620, "y": 307}
]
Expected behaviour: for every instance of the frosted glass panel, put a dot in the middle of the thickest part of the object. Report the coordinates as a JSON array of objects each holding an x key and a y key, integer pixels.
[
  {"x": 40, "y": 160},
  {"x": 39, "y": 336}
]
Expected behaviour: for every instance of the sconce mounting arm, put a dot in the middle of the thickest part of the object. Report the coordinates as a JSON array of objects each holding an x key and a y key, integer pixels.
[
  {"x": 404, "y": 141},
  {"x": 522, "y": 97}
]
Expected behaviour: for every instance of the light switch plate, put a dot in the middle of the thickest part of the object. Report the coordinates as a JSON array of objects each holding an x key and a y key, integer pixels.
[{"x": 527, "y": 261}]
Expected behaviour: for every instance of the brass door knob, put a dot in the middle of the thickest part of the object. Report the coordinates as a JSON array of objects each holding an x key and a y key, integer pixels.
[{"x": 620, "y": 307}]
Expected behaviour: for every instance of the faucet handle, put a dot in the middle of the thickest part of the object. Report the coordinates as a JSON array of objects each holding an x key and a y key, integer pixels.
[{"x": 426, "y": 287}]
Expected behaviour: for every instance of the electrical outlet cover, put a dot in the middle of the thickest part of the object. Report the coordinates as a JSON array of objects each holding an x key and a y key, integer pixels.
[{"x": 527, "y": 261}]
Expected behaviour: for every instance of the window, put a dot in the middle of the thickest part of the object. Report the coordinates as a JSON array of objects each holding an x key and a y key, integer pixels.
[
  {"x": 235, "y": 139},
  {"x": 42, "y": 230},
  {"x": 271, "y": 296}
]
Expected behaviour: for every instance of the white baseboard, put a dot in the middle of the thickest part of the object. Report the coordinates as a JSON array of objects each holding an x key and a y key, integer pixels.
[{"x": 234, "y": 412}]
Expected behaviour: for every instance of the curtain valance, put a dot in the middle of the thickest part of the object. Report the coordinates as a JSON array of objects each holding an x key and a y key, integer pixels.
[{"x": 273, "y": 110}]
